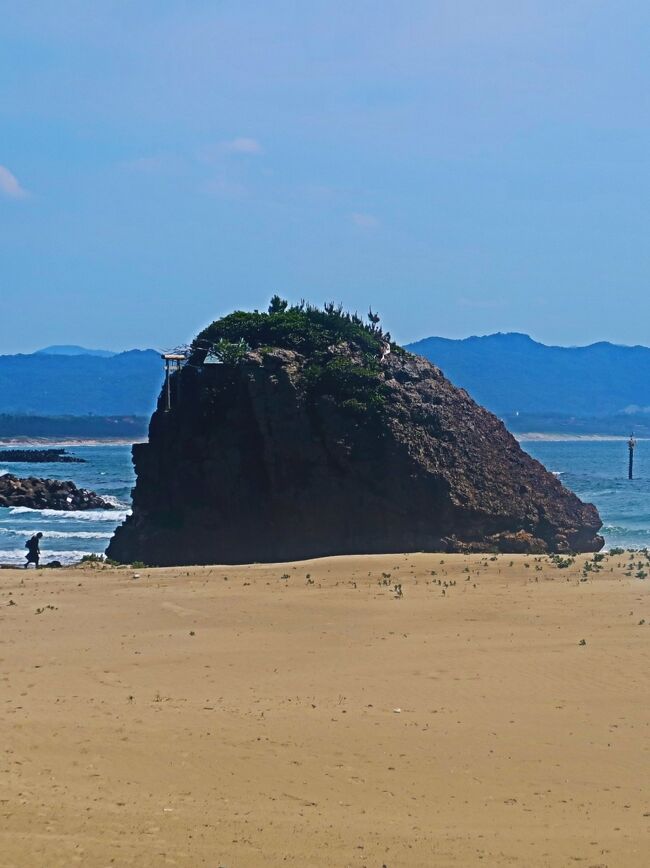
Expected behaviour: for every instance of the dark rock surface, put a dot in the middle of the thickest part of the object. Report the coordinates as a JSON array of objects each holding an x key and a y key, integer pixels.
[
  {"x": 47, "y": 494},
  {"x": 251, "y": 466},
  {"x": 39, "y": 456}
]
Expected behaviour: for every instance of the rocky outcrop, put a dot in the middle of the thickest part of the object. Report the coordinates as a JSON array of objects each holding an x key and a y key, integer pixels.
[
  {"x": 253, "y": 463},
  {"x": 37, "y": 493},
  {"x": 39, "y": 456}
]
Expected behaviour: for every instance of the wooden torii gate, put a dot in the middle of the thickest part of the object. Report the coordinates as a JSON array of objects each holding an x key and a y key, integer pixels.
[{"x": 173, "y": 362}]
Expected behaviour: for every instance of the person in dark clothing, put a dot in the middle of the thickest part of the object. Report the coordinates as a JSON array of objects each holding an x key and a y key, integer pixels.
[{"x": 33, "y": 549}]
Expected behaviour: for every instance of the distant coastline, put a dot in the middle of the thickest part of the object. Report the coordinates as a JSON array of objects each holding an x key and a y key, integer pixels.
[
  {"x": 81, "y": 429},
  {"x": 544, "y": 436},
  {"x": 35, "y": 442},
  {"x": 539, "y": 436}
]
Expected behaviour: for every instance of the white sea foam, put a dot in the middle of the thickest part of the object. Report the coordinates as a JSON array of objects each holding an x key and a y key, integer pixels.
[
  {"x": 618, "y": 529},
  {"x": 56, "y": 534},
  {"x": 114, "y": 501},
  {"x": 114, "y": 515},
  {"x": 17, "y": 556}
]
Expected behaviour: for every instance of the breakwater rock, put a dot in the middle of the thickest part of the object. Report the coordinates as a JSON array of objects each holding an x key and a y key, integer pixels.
[
  {"x": 307, "y": 437},
  {"x": 37, "y": 493},
  {"x": 39, "y": 456}
]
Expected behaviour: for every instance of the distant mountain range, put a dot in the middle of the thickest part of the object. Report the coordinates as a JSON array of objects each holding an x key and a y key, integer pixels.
[
  {"x": 601, "y": 388},
  {"x": 513, "y": 374},
  {"x": 60, "y": 381},
  {"x": 73, "y": 350}
]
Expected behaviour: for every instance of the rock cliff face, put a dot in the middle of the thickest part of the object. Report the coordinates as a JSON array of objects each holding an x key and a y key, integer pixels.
[
  {"x": 37, "y": 493},
  {"x": 270, "y": 459}
]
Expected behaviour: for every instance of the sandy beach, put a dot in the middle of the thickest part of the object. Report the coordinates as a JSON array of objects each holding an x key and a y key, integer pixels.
[{"x": 307, "y": 714}]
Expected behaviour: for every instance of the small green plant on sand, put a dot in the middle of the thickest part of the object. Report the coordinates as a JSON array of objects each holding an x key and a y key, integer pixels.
[{"x": 560, "y": 562}]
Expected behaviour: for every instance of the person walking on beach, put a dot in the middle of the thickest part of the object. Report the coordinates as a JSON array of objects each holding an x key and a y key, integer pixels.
[{"x": 33, "y": 549}]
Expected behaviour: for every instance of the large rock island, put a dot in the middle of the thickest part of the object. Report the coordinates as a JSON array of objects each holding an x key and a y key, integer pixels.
[{"x": 302, "y": 432}]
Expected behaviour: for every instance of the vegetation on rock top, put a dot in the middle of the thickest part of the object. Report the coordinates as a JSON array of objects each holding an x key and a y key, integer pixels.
[
  {"x": 304, "y": 328},
  {"x": 354, "y": 381}
]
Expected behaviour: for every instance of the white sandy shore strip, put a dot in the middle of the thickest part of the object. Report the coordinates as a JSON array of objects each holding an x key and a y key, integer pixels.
[
  {"x": 570, "y": 438},
  {"x": 50, "y": 442}
]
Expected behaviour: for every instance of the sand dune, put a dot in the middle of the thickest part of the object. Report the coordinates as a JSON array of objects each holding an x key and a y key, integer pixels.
[{"x": 306, "y": 714}]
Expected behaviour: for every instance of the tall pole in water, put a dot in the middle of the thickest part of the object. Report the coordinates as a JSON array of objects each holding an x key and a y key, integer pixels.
[{"x": 630, "y": 445}]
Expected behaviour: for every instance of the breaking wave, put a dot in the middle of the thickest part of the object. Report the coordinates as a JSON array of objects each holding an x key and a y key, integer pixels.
[
  {"x": 622, "y": 531},
  {"x": 17, "y": 556},
  {"x": 114, "y": 515},
  {"x": 56, "y": 534}
]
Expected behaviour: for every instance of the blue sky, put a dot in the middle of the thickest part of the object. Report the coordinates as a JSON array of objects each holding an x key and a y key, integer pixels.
[{"x": 462, "y": 166}]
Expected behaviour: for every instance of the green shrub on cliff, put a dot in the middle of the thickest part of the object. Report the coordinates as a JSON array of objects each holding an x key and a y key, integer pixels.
[
  {"x": 356, "y": 388},
  {"x": 230, "y": 352}
]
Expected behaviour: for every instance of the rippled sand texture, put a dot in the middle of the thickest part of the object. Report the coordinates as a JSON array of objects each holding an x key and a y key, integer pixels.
[{"x": 307, "y": 714}]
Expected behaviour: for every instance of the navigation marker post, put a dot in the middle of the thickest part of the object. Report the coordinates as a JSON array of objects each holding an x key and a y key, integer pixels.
[{"x": 630, "y": 445}]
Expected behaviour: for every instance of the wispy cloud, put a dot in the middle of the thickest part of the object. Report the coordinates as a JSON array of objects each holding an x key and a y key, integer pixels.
[
  {"x": 242, "y": 146},
  {"x": 147, "y": 165},
  {"x": 224, "y": 188},
  {"x": 364, "y": 221},
  {"x": 239, "y": 147},
  {"x": 10, "y": 186},
  {"x": 481, "y": 303}
]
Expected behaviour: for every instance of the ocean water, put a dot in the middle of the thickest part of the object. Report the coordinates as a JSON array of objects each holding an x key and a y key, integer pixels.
[
  {"x": 67, "y": 536},
  {"x": 595, "y": 470}
]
